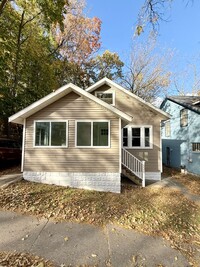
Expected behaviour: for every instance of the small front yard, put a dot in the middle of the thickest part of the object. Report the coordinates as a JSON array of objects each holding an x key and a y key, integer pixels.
[{"x": 164, "y": 212}]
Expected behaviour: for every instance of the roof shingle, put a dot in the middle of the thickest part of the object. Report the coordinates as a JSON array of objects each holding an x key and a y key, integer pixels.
[{"x": 190, "y": 102}]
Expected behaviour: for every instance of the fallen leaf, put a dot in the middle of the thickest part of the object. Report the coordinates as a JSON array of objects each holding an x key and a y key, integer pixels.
[{"x": 66, "y": 238}]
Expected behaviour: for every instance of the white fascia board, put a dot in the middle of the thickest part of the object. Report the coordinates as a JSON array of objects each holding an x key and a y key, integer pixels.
[
  {"x": 52, "y": 97},
  {"x": 111, "y": 83},
  {"x": 38, "y": 105}
]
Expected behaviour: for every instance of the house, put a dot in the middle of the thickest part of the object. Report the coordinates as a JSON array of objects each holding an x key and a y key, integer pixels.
[
  {"x": 181, "y": 134},
  {"x": 87, "y": 138}
]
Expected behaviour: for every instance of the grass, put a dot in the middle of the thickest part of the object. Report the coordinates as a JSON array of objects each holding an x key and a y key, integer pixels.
[{"x": 163, "y": 212}]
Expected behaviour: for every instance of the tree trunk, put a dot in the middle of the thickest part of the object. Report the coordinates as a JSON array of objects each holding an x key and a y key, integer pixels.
[
  {"x": 2, "y": 5},
  {"x": 16, "y": 64}
]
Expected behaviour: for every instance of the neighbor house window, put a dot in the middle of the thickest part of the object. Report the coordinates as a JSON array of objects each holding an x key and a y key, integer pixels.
[
  {"x": 137, "y": 137},
  {"x": 50, "y": 133},
  {"x": 196, "y": 147},
  {"x": 106, "y": 97},
  {"x": 92, "y": 133},
  {"x": 167, "y": 129},
  {"x": 183, "y": 117}
]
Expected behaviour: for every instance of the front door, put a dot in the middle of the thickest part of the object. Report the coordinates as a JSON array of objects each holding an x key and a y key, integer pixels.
[{"x": 168, "y": 156}]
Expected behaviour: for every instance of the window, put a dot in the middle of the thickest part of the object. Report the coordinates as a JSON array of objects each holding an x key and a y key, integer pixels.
[
  {"x": 106, "y": 97},
  {"x": 125, "y": 137},
  {"x": 196, "y": 147},
  {"x": 50, "y": 133},
  {"x": 184, "y": 117},
  {"x": 167, "y": 129},
  {"x": 137, "y": 137},
  {"x": 92, "y": 133}
]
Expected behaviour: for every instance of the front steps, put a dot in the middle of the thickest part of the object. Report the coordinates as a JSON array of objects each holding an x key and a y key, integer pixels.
[{"x": 126, "y": 172}]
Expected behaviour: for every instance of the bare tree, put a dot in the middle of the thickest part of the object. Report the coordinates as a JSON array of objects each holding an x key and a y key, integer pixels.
[
  {"x": 146, "y": 73},
  {"x": 187, "y": 81},
  {"x": 154, "y": 11}
]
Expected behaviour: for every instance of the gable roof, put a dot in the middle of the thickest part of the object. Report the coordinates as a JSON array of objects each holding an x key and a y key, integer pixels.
[
  {"x": 189, "y": 102},
  {"x": 56, "y": 95},
  {"x": 111, "y": 83}
]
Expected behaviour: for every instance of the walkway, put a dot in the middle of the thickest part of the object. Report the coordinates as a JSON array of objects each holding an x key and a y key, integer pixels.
[
  {"x": 170, "y": 182},
  {"x": 74, "y": 244},
  {"x": 8, "y": 179}
]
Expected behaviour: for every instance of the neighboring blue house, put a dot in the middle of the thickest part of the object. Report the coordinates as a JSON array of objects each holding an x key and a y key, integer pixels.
[{"x": 181, "y": 134}]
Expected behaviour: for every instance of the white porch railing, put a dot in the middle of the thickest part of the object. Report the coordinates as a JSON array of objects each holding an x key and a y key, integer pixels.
[{"x": 136, "y": 166}]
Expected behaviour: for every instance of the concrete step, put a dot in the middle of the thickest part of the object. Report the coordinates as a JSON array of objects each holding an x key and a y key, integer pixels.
[{"x": 126, "y": 172}]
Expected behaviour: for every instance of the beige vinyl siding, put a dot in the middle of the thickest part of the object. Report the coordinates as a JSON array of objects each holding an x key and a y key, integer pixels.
[
  {"x": 151, "y": 156},
  {"x": 71, "y": 159},
  {"x": 142, "y": 115}
]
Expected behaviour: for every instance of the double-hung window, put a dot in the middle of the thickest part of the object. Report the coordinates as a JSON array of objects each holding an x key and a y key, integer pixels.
[
  {"x": 92, "y": 133},
  {"x": 184, "y": 117},
  {"x": 137, "y": 137},
  {"x": 50, "y": 133},
  {"x": 167, "y": 128}
]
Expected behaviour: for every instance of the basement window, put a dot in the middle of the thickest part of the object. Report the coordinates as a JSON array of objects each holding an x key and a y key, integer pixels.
[{"x": 196, "y": 147}]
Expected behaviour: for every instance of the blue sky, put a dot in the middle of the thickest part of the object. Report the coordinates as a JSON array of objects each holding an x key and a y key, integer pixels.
[{"x": 181, "y": 32}]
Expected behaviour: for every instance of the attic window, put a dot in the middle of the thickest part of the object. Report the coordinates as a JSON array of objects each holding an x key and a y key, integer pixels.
[
  {"x": 184, "y": 117},
  {"x": 106, "y": 97}
]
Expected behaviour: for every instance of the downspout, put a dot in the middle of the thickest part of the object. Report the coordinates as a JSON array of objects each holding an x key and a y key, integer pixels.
[
  {"x": 120, "y": 145},
  {"x": 161, "y": 164},
  {"x": 23, "y": 145}
]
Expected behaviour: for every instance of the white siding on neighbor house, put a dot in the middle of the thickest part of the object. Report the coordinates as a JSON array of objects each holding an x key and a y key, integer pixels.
[{"x": 72, "y": 159}]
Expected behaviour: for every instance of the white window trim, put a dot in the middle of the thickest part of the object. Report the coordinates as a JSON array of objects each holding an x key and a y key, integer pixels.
[
  {"x": 165, "y": 128},
  {"x": 35, "y": 121},
  {"x": 182, "y": 117},
  {"x": 195, "y": 152},
  {"x": 106, "y": 92},
  {"x": 91, "y": 121},
  {"x": 142, "y": 136}
]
